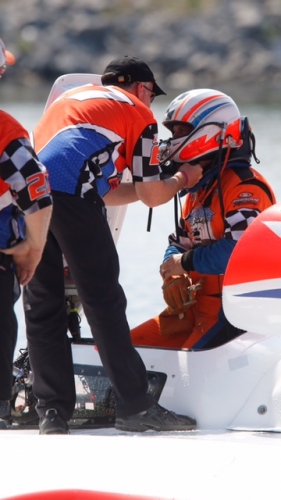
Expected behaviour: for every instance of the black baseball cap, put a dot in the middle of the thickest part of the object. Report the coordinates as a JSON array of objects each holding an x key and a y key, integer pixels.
[{"x": 129, "y": 70}]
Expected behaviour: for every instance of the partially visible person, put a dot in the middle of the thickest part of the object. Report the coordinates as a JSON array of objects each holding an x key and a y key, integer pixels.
[
  {"x": 25, "y": 211},
  {"x": 86, "y": 139},
  {"x": 207, "y": 128}
]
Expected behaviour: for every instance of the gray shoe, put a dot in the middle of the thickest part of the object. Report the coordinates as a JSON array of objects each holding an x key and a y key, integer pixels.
[
  {"x": 51, "y": 423},
  {"x": 155, "y": 418}
]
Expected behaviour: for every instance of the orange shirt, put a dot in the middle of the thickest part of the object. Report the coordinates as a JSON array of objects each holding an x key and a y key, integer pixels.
[
  {"x": 90, "y": 134},
  {"x": 10, "y": 129},
  {"x": 24, "y": 188},
  {"x": 245, "y": 193}
]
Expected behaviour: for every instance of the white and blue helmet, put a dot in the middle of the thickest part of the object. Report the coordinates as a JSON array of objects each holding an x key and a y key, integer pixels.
[{"x": 214, "y": 118}]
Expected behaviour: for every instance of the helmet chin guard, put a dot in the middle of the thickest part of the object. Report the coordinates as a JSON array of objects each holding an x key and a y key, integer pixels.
[{"x": 216, "y": 123}]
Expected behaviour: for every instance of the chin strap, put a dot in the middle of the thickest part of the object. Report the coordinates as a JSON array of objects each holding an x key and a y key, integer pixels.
[
  {"x": 221, "y": 169},
  {"x": 176, "y": 217},
  {"x": 176, "y": 214},
  {"x": 148, "y": 227}
]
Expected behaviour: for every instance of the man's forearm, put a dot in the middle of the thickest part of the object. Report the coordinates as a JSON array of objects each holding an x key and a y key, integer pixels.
[
  {"x": 156, "y": 193},
  {"x": 123, "y": 194},
  {"x": 37, "y": 225}
]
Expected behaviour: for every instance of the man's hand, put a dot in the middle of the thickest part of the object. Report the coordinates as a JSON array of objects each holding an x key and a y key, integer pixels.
[
  {"x": 172, "y": 267},
  {"x": 26, "y": 259},
  {"x": 27, "y": 253}
]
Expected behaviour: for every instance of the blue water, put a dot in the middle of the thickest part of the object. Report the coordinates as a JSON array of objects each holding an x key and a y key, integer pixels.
[{"x": 140, "y": 251}]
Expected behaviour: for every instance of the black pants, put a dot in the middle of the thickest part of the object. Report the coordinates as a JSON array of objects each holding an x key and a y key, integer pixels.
[
  {"x": 8, "y": 325},
  {"x": 80, "y": 231}
]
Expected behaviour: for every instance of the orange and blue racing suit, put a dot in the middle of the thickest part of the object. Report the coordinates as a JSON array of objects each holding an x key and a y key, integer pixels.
[
  {"x": 86, "y": 139},
  {"x": 207, "y": 238},
  {"x": 93, "y": 134},
  {"x": 24, "y": 190}
]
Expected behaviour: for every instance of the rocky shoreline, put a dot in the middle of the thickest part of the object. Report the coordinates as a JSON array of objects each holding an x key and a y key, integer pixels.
[{"x": 233, "y": 46}]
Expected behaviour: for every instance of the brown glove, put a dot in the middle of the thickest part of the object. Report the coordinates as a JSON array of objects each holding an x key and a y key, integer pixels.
[{"x": 179, "y": 293}]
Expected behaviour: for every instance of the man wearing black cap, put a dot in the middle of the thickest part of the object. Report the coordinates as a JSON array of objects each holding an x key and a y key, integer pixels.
[
  {"x": 134, "y": 76},
  {"x": 130, "y": 70},
  {"x": 86, "y": 139},
  {"x": 25, "y": 211}
]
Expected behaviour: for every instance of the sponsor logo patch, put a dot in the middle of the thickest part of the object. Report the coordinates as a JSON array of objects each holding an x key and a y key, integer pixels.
[{"x": 247, "y": 198}]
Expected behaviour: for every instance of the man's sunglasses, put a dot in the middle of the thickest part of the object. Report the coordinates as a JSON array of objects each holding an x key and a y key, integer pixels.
[{"x": 152, "y": 94}]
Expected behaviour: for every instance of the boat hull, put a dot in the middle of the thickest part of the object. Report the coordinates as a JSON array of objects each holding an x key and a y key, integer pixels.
[{"x": 235, "y": 386}]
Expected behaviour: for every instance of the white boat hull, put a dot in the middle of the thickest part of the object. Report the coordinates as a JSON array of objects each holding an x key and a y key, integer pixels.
[{"x": 236, "y": 386}]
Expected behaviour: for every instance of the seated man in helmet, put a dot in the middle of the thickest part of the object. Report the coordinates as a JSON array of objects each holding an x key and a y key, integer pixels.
[{"x": 207, "y": 128}]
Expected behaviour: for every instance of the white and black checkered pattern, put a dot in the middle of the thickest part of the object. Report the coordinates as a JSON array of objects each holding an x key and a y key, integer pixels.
[
  {"x": 142, "y": 169},
  {"x": 17, "y": 163},
  {"x": 237, "y": 222}
]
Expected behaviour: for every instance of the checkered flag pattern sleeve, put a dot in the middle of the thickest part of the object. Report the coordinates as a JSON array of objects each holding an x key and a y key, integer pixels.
[
  {"x": 144, "y": 166},
  {"x": 25, "y": 175},
  {"x": 238, "y": 221}
]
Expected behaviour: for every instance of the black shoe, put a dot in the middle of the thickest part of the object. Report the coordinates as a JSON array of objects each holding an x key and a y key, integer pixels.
[
  {"x": 155, "y": 418},
  {"x": 5, "y": 423},
  {"x": 5, "y": 409},
  {"x": 5, "y": 415},
  {"x": 52, "y": 423}
]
